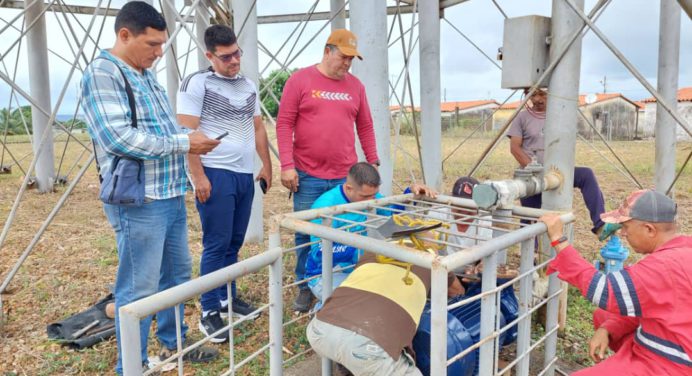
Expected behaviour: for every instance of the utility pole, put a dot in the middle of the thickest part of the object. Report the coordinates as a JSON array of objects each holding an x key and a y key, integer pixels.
[{"x": 604, "y": 82}]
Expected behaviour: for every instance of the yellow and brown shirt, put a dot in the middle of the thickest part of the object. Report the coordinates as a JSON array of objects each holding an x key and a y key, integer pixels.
[{"x": 375, "y": 302}]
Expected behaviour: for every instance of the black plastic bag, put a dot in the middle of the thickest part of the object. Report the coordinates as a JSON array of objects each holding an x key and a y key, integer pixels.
[{"x": 67, "y": 332}]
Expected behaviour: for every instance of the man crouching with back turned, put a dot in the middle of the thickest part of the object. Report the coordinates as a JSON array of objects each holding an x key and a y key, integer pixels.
[{"x": 368, "y": 323}]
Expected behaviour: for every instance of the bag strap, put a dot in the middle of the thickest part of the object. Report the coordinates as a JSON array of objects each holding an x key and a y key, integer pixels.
[{"x": 133, "y": 112}]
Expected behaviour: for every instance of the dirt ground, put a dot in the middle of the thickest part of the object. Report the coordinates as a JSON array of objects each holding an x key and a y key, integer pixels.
[{"x": 75, "y": 260}]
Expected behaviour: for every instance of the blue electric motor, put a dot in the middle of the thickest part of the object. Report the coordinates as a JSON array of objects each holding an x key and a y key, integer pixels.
[
  {"x": 463, "y": 330},
  {"x": 458, "y": 339}
]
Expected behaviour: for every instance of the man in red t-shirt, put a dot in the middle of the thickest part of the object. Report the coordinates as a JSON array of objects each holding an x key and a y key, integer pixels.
[{"x": 318, "y": 109}]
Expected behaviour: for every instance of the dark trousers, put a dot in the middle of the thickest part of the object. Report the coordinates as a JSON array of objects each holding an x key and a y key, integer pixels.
[
  {"x": 224, "y": 216},
  {"x": 585, "y": 180},
  {"x": 310, "y": 188}
]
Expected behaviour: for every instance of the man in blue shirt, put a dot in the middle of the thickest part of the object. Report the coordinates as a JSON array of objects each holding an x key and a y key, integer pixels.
[
  {"x": 153, "y": 253},
  {"x": 362, "y": 183}
]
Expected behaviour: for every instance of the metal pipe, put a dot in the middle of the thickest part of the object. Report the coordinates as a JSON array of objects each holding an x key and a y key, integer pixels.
[
  {"x": 275, "y": 305},
  {"x": 44, "y": 136},
  {"x": 39, "y": 82},
  {"x": 486, "y": 360},
  {"x": 431, "y": 130},
  {"x": 308, "y": 215},
  {"x": 49, "y": 219},
  {"x": 525, "y": 295},
  {"x": 33, "y": 103},
  {"x": 338, "y": 14},
  {"x": 593, "y": 127},
  {"x": 201, "y": 24},
  {"x": 327, "y": 266},
  {"x": 687, "y": 6},
  {"x": 500, "y": 214},
  {"x": 438, "y": 317},
  {"x": 172, "y": 75},
  {"x": 245, "y": 13},
  {"x": 561, "y": 127},
  {"x": 369, "y": 22},
  {"x": 476, "y": 253},
  {"x": 129, "y": 333},
  {"x": 503, "y": 193},
  {"x": 172, "y": 296},
  {"x": 422, "y": 259},
  {"x": 668, "y": 68}
]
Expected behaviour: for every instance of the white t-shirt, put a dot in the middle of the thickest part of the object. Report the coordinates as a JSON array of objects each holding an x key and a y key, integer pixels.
[
  {"x": 478, "y": 231},
  {"x": 223, "y": 105}
]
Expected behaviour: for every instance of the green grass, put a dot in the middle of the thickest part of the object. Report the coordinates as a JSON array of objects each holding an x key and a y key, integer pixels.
[{"x": 75, "y": 260}]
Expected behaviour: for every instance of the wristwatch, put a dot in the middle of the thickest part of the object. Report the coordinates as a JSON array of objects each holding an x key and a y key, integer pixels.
[
  {"x": 376, "y": 163},
  {"x": 562, "y": 239}
]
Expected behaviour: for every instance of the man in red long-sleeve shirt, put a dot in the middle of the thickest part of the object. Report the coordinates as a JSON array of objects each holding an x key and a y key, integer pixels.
[
  {"x": 319, "y": 106},
  {"x": 645, "y": 310}
]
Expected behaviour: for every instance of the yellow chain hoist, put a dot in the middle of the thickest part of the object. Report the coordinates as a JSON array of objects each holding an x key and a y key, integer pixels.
[{"x": 413, "y": 241}]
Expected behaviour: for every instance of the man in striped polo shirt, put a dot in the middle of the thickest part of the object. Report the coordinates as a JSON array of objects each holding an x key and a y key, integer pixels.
[
  {"x": 219, "y": 101},
  {"x": 645, "y": 310}
]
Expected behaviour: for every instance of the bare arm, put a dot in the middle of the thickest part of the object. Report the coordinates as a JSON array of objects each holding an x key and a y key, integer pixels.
[
  {"x": 262, "y": 147},
  {"x": 517, "y": 152},
  {"x": 199, "y": 179}
]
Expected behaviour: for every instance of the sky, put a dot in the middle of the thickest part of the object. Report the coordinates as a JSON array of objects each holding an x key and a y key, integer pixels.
[{"x": 632, "y": 25}]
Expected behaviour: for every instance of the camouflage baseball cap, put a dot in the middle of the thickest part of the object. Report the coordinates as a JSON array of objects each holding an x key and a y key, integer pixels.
[{"x": 645, "y": 205}]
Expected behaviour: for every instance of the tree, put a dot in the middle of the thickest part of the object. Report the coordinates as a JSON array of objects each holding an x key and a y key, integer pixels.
[
  {"x": 11, "y": 121},
  {"x": 278, "y": 79}
]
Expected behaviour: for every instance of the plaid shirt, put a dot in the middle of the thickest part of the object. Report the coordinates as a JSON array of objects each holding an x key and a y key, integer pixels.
[{"x": 157, "y": 140}]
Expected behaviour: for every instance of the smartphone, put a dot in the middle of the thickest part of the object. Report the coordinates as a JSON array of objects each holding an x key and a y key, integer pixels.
[
  {"x": 263, "y": 185},
  {"x": 222, "y": 135}
]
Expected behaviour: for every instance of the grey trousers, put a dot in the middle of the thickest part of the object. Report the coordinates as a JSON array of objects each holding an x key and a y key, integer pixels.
[{"x": 359, "y": 354}]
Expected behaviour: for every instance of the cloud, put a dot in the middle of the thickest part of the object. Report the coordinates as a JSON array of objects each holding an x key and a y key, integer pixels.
[{"x": 632, "y": 25}]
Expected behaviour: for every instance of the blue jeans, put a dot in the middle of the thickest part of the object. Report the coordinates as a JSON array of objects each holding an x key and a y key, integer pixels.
[
  {"x": 224, "y": 216},
  {"x": 152, "y": 256},
  {"x": 585, "y": 180},
  {"x": 310, "y": 189}
]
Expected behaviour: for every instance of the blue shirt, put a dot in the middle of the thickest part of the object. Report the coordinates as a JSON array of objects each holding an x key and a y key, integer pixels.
[
  {"x": 157, "y": 140},
  {"x": 343, "y": 255}
]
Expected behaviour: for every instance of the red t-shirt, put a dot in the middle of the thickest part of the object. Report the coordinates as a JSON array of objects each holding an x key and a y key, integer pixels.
[{"x": 315, "y": 124}]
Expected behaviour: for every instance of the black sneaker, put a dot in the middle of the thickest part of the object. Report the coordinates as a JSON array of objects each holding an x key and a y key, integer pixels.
[
  {"x": 200, "y": 354},
  {"x": 303, "y": 301},
  {"x": 212, "y": 323},
  {"x": 242, "y": 309}
]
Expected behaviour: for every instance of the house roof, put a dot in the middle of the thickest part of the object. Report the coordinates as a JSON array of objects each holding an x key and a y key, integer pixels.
[
  {"x": 465, "y": 105},
  {"x": 406, "y": 108},
  {"x": 684, "y": 95},
  {"x": 452, "y": 106},
  {"x": 510, "y": 105},
  {"x": 582, "y": 101}
]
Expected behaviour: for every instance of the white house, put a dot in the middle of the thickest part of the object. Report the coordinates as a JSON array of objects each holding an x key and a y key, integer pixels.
[{"x": 648, "y": 126}]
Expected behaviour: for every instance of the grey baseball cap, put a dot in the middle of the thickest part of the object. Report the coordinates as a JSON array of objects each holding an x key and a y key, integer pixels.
[{"x": 645, "y": 205}]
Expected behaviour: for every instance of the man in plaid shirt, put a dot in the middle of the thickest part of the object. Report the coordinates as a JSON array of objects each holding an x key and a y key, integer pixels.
[{"x": 152, "y": 245}]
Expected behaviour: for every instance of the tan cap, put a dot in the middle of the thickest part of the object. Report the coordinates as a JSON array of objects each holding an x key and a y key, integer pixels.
[{"x": 345, "y": 41}]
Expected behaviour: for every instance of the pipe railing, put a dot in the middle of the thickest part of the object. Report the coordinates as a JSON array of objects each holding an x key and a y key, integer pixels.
[{"x": 131, "y": 314}]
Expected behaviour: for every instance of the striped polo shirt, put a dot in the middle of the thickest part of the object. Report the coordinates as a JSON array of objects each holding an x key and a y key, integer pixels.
[{"x": 223, "y": 104}]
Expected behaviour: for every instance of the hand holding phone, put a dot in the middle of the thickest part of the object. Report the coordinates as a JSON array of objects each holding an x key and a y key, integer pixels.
[
  {"x": 263, "y": 185},
  {"x": 222, "y": 135}
]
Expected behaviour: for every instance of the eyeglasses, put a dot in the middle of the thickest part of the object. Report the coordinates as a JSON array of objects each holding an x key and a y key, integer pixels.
[{"x": 228, "y": 57}]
